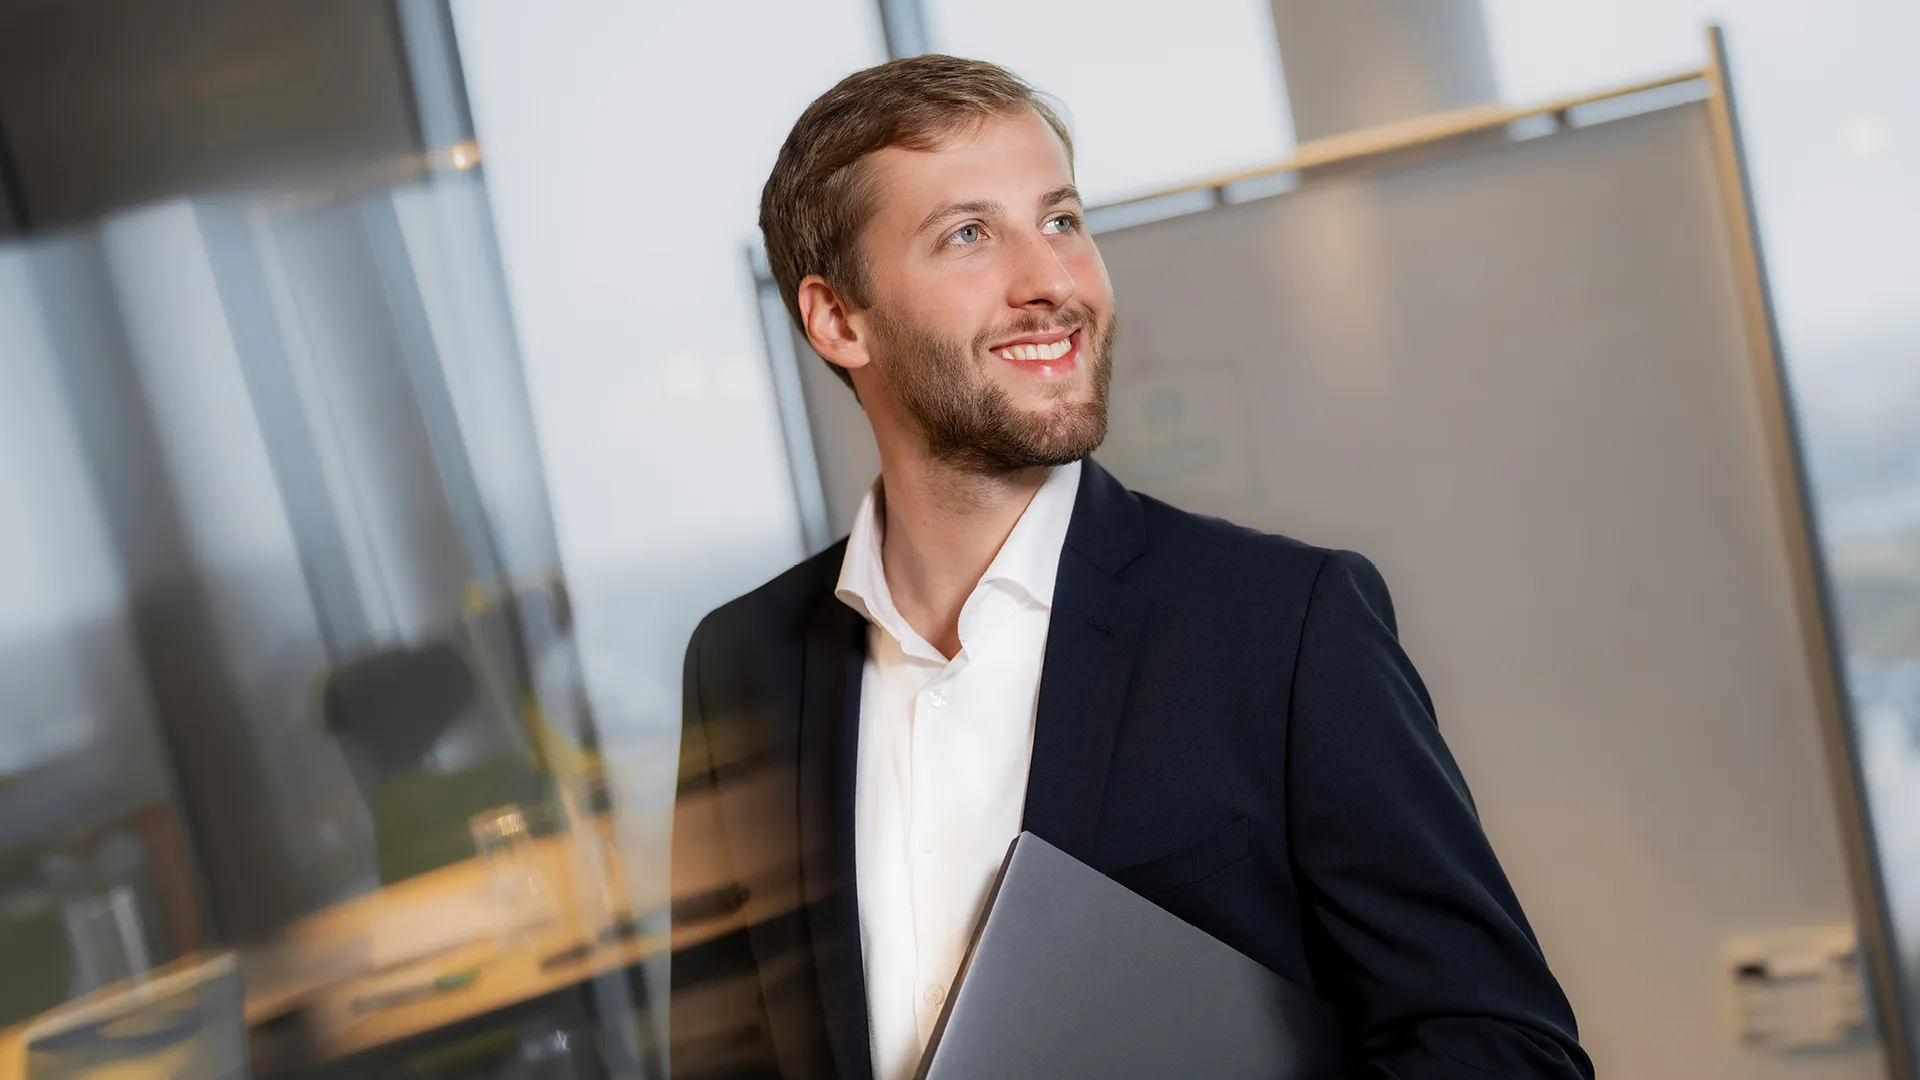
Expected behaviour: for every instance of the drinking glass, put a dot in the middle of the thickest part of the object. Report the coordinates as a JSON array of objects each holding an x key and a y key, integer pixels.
[
  {"x": 597, "y": 825},
  {"x": 105, "y": 934},
  {"x": 522, "y": 897}
]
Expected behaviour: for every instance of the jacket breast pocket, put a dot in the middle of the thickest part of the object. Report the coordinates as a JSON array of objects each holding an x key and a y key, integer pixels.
[{"x": 1190, "y": 865}]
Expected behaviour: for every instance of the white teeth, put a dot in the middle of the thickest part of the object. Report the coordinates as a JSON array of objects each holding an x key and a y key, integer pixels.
[{"x": 1038, "y": 352}]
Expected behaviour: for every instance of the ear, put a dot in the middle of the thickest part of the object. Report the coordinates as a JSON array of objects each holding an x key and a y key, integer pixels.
[{"x": 831, "y": 327}]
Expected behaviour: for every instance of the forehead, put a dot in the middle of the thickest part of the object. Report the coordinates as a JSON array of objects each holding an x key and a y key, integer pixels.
[{"x": 1000, "y": 158}]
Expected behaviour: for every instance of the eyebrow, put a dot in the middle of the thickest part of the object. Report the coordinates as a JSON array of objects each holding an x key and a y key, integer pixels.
[
  {"x": 955, "y": 209},
  {"x": 1063, "y": 193}
]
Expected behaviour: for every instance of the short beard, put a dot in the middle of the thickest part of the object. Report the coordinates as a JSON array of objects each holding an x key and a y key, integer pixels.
[{"x": 971, "y": 424}]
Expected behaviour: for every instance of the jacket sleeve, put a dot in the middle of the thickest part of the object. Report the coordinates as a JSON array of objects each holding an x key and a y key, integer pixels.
[{"x": 1414, "y": 933}]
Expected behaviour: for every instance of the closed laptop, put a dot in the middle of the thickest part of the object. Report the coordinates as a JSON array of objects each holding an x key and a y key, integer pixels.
[{"x": 1071, "y": 975}]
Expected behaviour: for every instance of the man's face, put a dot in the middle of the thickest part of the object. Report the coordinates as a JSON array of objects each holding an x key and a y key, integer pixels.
[{"x": 991, "y": 320}]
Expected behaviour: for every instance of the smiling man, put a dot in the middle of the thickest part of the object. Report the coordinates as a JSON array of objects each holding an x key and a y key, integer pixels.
[{"x": 1221, "y": 720}]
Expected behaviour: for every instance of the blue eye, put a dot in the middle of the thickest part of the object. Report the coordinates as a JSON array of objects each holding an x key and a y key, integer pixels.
[
  {"x": 1062, "y": 223},
  {"x": 965, "y": 234}
]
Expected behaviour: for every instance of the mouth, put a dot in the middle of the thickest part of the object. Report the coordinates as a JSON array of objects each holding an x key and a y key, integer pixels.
[{"x": 1048, "y": 355}]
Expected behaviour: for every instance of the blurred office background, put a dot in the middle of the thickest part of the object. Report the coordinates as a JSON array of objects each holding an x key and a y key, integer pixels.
[{"x": 386, "y": 390}]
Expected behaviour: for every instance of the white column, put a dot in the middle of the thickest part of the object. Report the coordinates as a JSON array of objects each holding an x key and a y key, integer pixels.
[{"x": 1356, "y": 63}]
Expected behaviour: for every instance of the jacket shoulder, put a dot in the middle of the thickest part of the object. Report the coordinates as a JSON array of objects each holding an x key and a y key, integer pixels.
[
  {"x": 1247, "y": 562},
  {"x": 1201, "y": 540},
  {"x": 779, "y": 606}
]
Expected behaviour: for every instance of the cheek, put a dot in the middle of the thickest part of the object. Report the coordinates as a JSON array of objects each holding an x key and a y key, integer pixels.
[
  {"x": 968, "y": 303},
  {"x": 940, "y": 305}
]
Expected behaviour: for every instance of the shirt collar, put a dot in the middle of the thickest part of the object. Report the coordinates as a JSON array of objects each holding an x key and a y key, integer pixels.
[
  {"x": 1028, "y": 562},
  {"x": 1030, "y": 558}
]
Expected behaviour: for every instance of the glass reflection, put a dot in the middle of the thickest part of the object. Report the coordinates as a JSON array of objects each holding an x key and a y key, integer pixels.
[{"x": 290, "y": 589}]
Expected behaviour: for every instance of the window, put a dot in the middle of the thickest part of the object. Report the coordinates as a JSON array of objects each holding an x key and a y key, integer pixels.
[{"x": 625, "y": 148}]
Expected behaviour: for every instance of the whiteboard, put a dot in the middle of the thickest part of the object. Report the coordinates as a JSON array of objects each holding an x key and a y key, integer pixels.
[{"x": 1515, "y": 374}]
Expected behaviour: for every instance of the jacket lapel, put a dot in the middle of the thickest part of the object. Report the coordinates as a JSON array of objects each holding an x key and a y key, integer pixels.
[
  {"x": 829, "y": 732},
  {"x": 1091, "y": 640}
]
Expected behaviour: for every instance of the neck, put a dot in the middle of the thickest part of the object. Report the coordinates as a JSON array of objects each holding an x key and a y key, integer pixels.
[{"x": 943, "y": 529}]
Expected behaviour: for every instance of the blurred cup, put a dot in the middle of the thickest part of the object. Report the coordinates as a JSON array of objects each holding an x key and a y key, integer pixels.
[
  {"x": 522, "y": 898},
  {"x": 105, "y": 934},
  {"x": 597, "y": 821}
]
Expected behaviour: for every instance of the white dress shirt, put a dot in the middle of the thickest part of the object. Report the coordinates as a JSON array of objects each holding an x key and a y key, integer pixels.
[{"x": 944, "y": 750}]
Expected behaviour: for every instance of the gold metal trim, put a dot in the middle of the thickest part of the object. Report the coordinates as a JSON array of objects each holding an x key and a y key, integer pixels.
[{"x": 1416, "y": 131}]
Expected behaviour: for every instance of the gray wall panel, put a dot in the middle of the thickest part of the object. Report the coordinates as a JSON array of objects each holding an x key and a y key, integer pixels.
[{"x": 1518, "y": 380}]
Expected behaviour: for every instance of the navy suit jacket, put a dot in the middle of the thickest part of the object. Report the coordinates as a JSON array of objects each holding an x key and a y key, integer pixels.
[{"x": 1226, "y": 724}]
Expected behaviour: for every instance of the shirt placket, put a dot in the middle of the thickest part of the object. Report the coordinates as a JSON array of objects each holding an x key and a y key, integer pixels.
[{"x": 932, "y": 732}]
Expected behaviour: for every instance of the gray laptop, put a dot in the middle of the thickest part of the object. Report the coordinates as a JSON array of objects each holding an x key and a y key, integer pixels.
[{"x": 1072, "y": 975}]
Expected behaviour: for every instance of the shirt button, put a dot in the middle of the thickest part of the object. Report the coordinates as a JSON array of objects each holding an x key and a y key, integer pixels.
[
  {"x": 927, "y": 844},
  {"x": 936, "y": 697},
  {"x": 936, "y": 994}
]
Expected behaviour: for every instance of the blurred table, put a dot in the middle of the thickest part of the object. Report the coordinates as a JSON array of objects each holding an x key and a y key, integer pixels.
[
  {"x": 292, "y": 975},
  {"x": 505, "y": 975},
  {"x": 13, "y": 1042}
]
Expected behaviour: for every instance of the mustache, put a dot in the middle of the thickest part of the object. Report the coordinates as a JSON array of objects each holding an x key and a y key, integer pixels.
[{"x": 1068, "y": 319}]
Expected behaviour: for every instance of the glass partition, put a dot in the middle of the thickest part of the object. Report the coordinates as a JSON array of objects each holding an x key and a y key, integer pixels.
[{"x": 288, "y": 672}]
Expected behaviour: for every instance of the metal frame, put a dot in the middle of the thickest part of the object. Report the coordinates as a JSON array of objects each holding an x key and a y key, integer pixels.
[
  {"x": 790, "y": 403},
  {"x": 431, "y": 392},
  {"x": 441, "y": 111},
  {"x": 13, "y": 195},
  {"x": 1812, "y": 590},
  {"x": 904, "y": 25},
  {"x": 1419, "y": 131},
  {"x": 242, "y": 278}
]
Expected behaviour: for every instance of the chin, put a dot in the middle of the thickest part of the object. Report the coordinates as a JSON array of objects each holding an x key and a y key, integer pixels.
[
  {"x": 1046, "y": 397},
  {"x": 1067, "y": 421}
]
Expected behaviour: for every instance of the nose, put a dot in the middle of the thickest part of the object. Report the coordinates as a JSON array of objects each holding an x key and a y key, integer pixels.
[{"x": 1040, "y": 279}]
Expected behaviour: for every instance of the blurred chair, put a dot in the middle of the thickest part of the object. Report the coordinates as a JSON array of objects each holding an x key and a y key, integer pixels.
[{"x": 389, "y": 710}]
